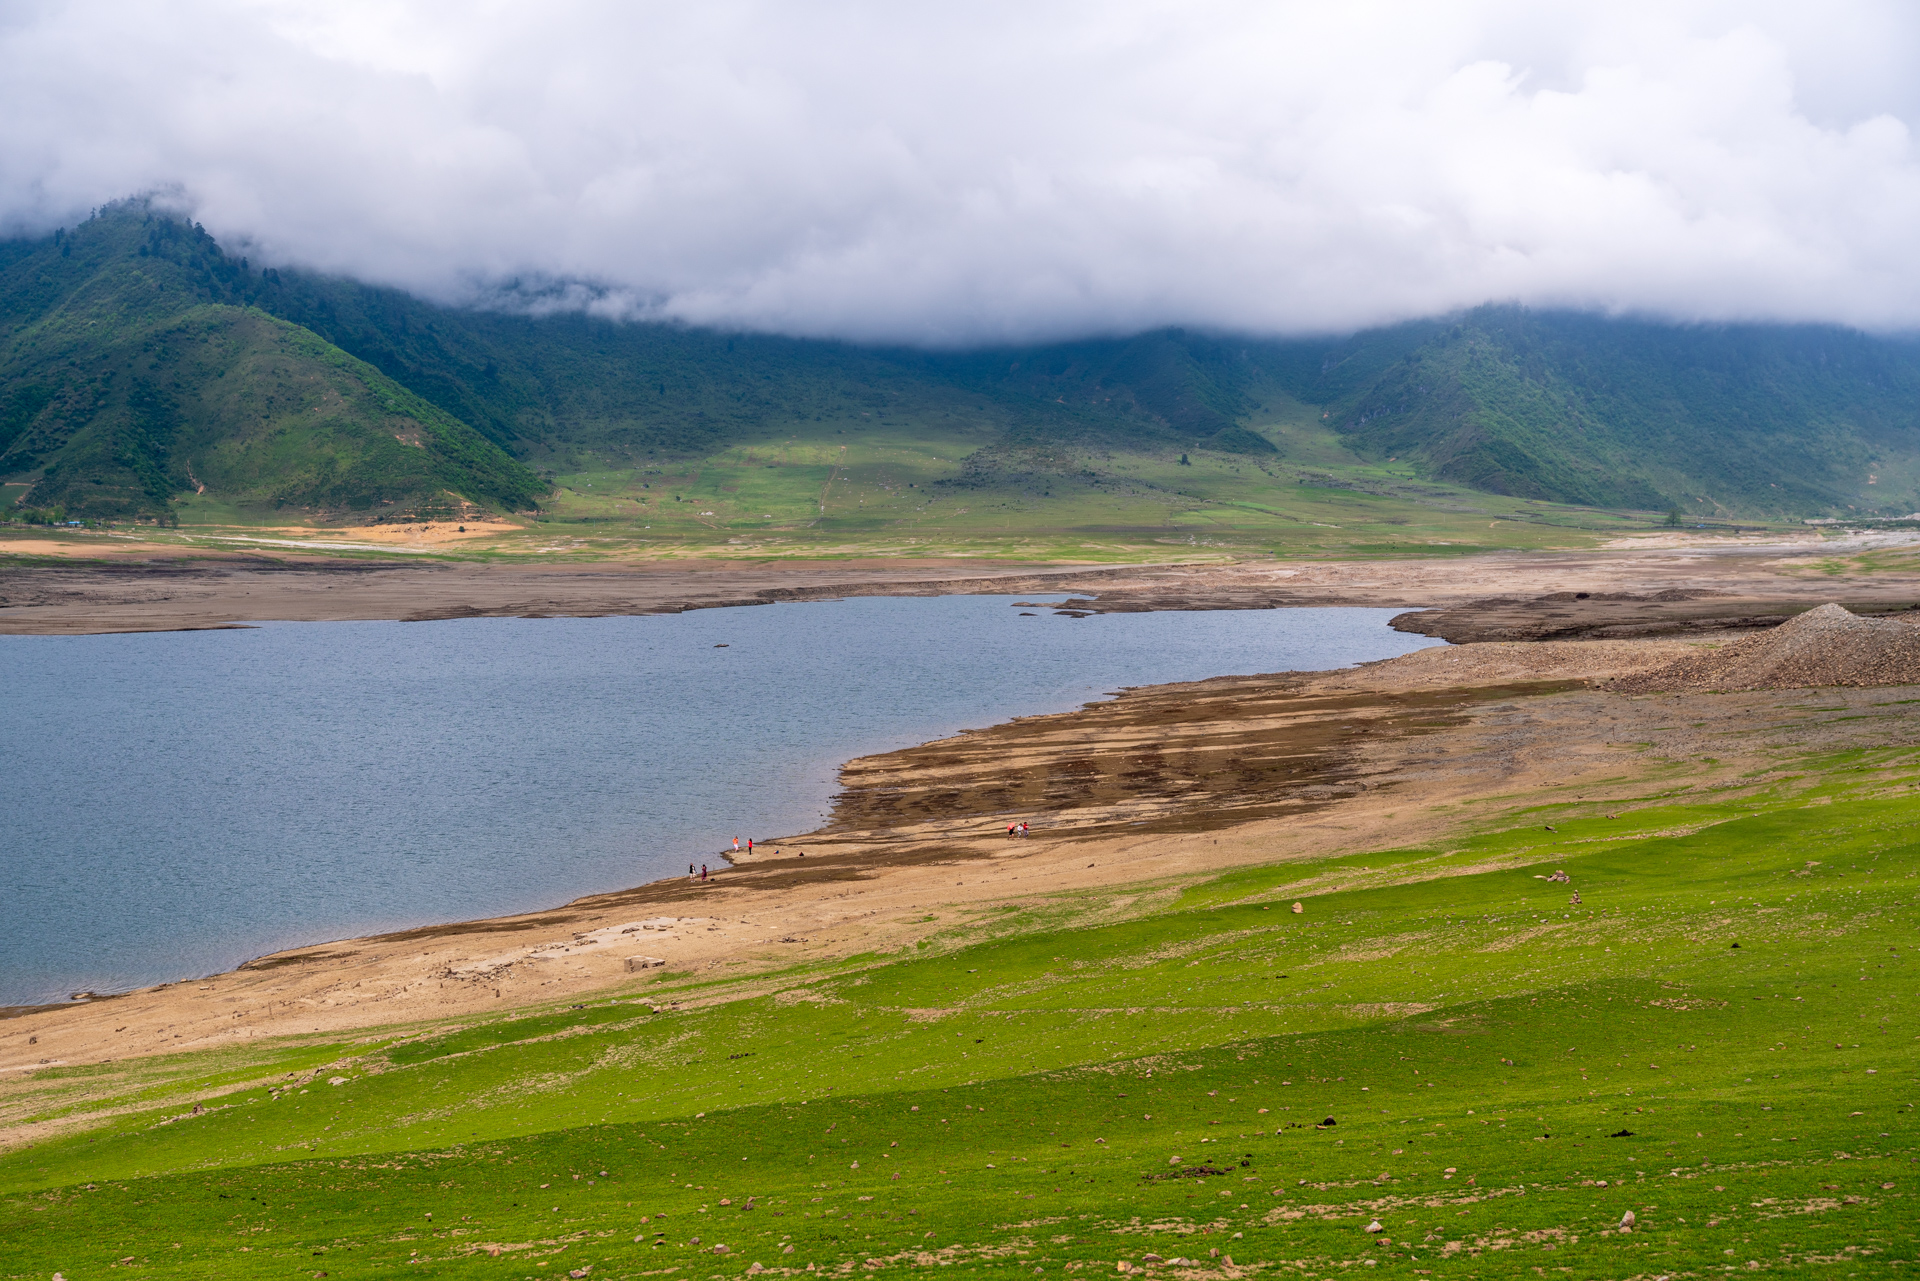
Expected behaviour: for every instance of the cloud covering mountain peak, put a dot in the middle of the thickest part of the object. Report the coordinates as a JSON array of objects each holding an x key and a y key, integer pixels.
[{"x": 996, "y": 172}]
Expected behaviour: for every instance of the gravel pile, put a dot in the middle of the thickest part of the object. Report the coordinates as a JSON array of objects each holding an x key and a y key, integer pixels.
[{"x": 1824, "y": 646}]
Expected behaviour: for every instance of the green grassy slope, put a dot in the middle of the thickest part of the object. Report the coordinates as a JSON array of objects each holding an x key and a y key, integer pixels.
[
  {"x": 876, "y": 482},
  {"x": 134, "y": 369},
  {"x": 1757, "y": 420},
  {"x": 1443, "y": 1044}
]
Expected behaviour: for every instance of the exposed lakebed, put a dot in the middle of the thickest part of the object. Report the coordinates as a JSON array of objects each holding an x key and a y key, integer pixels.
[{"x": 179, "y": 802}]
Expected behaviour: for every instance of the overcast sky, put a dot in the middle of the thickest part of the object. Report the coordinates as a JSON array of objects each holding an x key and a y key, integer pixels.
[{"x": 978, "y": 171}]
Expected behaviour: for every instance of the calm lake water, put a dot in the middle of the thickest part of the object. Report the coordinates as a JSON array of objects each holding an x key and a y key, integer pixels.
[{"x": 172, "y": 804}]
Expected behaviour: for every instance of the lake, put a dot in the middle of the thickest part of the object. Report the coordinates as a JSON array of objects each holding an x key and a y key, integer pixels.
[{"x": 178, "y": 802}]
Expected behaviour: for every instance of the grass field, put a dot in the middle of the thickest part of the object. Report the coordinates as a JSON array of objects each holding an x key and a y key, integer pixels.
[
  {"x": 1720, "y": 1038},
  {"x": 904, "y": 486},
  {"x": 915, "y": 487}
]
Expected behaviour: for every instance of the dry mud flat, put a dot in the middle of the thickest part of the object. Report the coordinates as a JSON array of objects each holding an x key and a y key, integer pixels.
[
  {"x": 1146, "y": 791},
  {"x": 1663, "y": 586}
]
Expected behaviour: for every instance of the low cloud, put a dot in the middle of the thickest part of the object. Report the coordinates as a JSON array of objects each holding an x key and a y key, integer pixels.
[{"x": 992, "y": 172}]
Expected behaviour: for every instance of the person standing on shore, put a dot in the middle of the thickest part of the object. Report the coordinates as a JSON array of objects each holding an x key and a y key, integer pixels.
[
  {"x": 703, "y": 871},
  {"x": 736, "y": 845},
  {"x": 749, "y": 845}
]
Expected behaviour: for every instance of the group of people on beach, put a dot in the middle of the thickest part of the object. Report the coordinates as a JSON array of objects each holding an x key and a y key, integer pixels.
[
  {"x": 1016, "y": 829},
  {"x": 701, "y": 874}
]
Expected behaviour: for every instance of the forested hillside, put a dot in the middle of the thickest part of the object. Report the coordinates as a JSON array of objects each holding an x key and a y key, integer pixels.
[
  {"x": 139, "y": 361},
  {"x": 1764, "y": 419},
  {"x": 132, "y": 369}
]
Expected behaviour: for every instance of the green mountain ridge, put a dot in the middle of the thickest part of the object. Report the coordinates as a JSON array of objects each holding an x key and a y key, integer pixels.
[
  {"x": 1780, "y": 420},
  {"x": 135, "y": 367},
  {"x": 138, "y": 362}
]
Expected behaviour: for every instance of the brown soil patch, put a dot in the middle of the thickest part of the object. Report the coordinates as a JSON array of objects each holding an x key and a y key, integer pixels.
[{"x": 435, "y": 533}]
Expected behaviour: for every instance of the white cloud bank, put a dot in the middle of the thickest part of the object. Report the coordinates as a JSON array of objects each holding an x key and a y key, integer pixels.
[{"x": 989, "y": 171}]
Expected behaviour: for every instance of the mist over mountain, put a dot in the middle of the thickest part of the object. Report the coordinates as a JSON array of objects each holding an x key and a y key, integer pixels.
[
  {"x": 139, "y": 360},
  {"x": 993, "y": 173}
]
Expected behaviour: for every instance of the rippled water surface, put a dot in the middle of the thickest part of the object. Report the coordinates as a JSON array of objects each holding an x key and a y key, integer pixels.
[{"x": 175, "y": 803}]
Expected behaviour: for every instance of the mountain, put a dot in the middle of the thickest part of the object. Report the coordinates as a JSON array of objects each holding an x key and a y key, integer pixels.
[
  {"x": 569, "y": 381},
  {"x": 1753, "y": 420},
  {"x": 139, "y": 360},
  {"x": 135, "y": 365},
  {"x": 1735, "y": 419}
]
